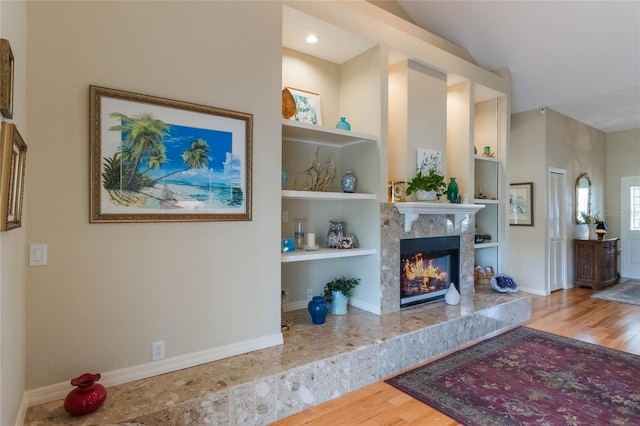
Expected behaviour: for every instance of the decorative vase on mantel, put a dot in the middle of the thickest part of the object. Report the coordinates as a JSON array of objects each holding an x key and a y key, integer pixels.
[
  {"x": 452, "y": 191},
  {"x": 426, "y": 195},
  {"x": 88, "y": 396}
]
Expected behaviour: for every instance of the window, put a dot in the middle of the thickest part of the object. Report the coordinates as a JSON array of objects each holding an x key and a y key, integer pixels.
[{"x": 634, "y": 208}]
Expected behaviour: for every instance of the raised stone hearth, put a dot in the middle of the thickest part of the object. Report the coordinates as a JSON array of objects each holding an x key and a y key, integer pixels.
[
  {"x": 316, "y": 363},
  {"x": 422, "y": 220}
]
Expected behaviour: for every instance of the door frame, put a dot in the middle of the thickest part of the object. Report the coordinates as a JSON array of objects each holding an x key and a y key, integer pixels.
[
  {"x": 563, "y": 229},
  {"x": 624, "y": 248}
]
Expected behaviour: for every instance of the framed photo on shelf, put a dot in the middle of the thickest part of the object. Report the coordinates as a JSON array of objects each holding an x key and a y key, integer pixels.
[
  {"x": 6, "y": 79},
  {"x": 13, "y": 153},
  {"x": 521, "y": 204},
  {"x": 161, "y": 160},
  {"x": 308, "y": 106}
]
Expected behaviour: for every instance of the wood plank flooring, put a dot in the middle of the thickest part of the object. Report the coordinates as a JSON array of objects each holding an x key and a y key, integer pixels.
[{"x": 571, "y": 313}]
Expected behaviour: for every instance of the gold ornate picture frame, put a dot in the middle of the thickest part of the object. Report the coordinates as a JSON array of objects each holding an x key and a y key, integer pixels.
[
  {"x": 160, "y": 160},
  {"x": 13, "y": 153},
  {"x": 6, "y": 78}
]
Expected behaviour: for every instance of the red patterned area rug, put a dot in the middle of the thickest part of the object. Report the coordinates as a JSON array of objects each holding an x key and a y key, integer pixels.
[{"x": 529, "y": 377}]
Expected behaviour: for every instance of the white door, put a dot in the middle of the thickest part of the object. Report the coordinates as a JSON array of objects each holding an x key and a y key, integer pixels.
[
  {"x": 557, "y": 252},
  {"x": 630, "y": 227}
]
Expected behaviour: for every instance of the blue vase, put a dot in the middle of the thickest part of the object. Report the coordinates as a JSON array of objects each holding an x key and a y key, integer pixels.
[
  {"x": 348, "y": 182},
  {"x": 284, "y": 176},
  {"x": 343, "y": 124},
  {"x": 318, "y": 308},
  {"x": 452, "y": 191}
]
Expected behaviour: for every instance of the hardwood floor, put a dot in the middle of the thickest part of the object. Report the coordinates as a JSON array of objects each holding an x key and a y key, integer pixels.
[{"x": 571, "y": 313}]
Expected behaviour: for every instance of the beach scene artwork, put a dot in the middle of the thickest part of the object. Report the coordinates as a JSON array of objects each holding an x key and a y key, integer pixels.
[{"x": 161, "y": 160}]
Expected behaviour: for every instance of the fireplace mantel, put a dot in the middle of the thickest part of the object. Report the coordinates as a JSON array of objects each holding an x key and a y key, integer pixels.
[{"x": 411, "y": 210}]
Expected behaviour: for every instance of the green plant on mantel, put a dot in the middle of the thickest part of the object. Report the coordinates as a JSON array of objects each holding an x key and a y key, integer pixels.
[
  {"x": 342, "y": 284},
  {"x": 432, "y": 181}
]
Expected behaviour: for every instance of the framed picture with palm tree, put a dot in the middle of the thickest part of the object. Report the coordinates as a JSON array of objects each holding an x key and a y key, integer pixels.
[{"x": 160, "y": 160}]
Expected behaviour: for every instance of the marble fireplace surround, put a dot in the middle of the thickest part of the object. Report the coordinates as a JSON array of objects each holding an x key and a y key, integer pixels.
[{"x": 423, "y": 220}]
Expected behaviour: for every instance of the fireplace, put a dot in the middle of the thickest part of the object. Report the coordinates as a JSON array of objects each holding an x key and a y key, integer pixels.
[{"x": 427, "y": 267}]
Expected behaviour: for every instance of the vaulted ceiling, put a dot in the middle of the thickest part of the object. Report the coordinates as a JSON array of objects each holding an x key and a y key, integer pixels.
[{"x": 579, "y": 58}]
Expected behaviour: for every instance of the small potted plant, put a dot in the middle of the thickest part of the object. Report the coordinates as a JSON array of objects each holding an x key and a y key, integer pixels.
[
  {"x": 337, "y": 292},
  {"x": 592, "y": 220},
  {"x": 427, "y": 187}
]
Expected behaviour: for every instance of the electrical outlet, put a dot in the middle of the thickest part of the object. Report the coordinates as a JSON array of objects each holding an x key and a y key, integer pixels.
[
  {"x": 157, "y": 350},
  {"x": 285, "y": 216},
  {"x": 309, "y": 294}
]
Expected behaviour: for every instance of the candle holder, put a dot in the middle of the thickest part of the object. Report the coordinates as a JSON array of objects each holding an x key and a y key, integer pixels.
[{"x": 299, "y": 233}]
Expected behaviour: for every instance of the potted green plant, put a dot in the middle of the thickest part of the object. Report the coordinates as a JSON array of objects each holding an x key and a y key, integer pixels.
[
  {"x": 337, "y": 292},
  {"x": 427, "y": 187}
]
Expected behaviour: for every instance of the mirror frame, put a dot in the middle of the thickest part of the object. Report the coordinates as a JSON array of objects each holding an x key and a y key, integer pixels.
[{"x": 576, "y": 214}]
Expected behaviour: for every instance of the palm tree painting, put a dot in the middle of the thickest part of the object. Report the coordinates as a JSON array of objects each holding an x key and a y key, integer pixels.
[{"x": 163, "y": 166}]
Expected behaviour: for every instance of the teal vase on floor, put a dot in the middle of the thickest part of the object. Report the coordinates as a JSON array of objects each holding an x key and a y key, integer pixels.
[{"x": 452, "y": 191}]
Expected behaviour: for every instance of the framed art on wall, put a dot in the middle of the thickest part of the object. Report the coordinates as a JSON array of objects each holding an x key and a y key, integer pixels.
[
  {"x": 521, "y": 204},
  {"x": 161, "y": 160},
  {"x": 13, "y": 153},
  {"x": 6, "y": 78},
  {"x": 308, "y": 108}
]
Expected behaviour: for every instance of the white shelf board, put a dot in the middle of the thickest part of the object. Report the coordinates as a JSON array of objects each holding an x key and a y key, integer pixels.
[
  {"x": 489, "y": 159},
  {"x": 486, "y": 245},
  {"x": 317, "y": 195},
  {"x": 312, "y": 133},
  {"x": 485, "y": 201},
  {"x": 324, "y": 253}
]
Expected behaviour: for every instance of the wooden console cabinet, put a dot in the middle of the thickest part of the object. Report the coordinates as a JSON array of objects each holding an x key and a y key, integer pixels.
[{"x": 596, "y": 263}]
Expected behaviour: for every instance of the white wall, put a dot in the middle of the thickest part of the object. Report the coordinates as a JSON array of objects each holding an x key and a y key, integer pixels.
[
  {"x": 12, "y": 243},
  {"x": 623, "y": 159},
  {"x": 540, "y": 142},
  {"x": 109, "y": 290}
]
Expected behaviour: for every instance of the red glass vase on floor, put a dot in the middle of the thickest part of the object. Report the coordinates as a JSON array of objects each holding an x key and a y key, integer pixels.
[{"x": 88, "y": 396}]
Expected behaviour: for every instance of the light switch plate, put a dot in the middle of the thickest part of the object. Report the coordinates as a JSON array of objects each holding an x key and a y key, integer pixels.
[{"x": 37, "y": 254}]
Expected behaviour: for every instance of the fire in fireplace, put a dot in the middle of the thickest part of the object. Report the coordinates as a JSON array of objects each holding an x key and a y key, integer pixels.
[{"x": 427, "y": 267}]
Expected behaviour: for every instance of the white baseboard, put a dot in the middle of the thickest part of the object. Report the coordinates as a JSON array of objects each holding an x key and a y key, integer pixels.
[
  {"x": 374, "y": 309},
  {"x": 22, "y": 411},
  {"x": 302, "y": 304},
  {"x": 117, "y": 377},
  {"x": 535, "y": 291}
]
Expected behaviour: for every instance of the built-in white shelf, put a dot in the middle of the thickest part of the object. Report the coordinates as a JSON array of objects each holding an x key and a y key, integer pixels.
[
  {"x": 487, "y": 245},
  {"x": 411, "y": 211},
  {"x": 320, "y": 135},
  {"x": 324, "y": 253},
  {"x": 317, "y": 195},
  {"x": 483, "y": 158},
  {"x": 485, "y": 201}
]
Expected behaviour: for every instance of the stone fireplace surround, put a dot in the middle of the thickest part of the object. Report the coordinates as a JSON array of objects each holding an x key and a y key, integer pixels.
[{"x": 440, "y": 220}]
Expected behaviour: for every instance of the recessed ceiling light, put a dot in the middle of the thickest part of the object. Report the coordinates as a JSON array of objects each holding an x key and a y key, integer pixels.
[{"x": 311, "y": 39}]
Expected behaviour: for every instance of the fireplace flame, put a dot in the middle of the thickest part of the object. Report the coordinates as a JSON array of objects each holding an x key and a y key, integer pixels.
[{"x": 415, "y": 268}]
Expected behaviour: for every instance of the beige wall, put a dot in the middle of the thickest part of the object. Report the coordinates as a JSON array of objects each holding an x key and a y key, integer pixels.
[
  {"x": 12, "y": 243},
  {"x": 623, "y": 160},
  {"x": 538, "y": 143},
  {"x": 110, "y": 290}
]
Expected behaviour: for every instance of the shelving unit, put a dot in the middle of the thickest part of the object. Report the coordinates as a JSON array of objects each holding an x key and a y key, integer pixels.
[
  {"x": 490, "y": 187},
  {"x": 389, "y": 78}
]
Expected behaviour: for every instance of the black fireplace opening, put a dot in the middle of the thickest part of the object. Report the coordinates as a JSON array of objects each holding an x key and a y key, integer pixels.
[{"x": 427, "y": 267}]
